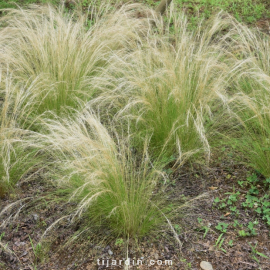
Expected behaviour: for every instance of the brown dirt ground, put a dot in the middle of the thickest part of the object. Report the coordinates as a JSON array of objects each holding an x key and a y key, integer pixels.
[{"x": 188, "y": 182}]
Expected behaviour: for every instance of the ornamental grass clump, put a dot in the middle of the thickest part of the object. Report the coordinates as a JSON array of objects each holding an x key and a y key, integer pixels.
[
  {"x": 251, "y": 99},
  {"x": 110, "y": 186},
  {"x": 15, "y": 107},
  {"x": 63, "y": 51},
  {"x": 167, "y": 87},
  {"x": 253, "y": 132}
]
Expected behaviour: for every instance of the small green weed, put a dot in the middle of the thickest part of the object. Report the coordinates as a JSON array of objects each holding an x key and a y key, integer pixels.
[
  {"x": 119, "y": 242},
  {"x": 204, "y": 227},
  {"x": 230, "y": 243},
  {"x": 177, "y": 228},
  {"x": 36, "y": 249},
  {"x": 228, "y": 202},
  {"x": 219, "y": 243},
  {"x": 255, "y": 253},
  {"x": 188, "y": 264},
  {"x": 251, "y": 231},
  {"x": 222, "y": 227},
  {"x": 253, "y": 200},
  {"x": 2, "y": 235}
]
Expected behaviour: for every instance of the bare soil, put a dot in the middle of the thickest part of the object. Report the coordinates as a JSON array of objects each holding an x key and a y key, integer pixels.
[{"x": 188, "y": 182}]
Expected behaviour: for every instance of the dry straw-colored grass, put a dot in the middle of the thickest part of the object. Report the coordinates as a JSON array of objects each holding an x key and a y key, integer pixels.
[
  {"x": 64, "y": 51},
  {"x": 15, "y": 108},
  {"x": 159, "y": 86},
  {"x": 168, "y": 86},
  {"x": 110, "y": 184},
  {"x": 251, "y": 95}
]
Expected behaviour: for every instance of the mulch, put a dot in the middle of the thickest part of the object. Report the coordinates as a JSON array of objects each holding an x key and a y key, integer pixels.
[{"x": 189, "y": 182}]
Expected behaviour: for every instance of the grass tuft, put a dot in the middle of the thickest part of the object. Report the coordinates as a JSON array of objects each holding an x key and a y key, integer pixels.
[
  {"x": 167, "y": 87},
  {"x": 15, "y": 107},
  {"x": 111, "y": 186},
  {"x": 63, "y": 51},
  {"x": 251, "y": 95}
]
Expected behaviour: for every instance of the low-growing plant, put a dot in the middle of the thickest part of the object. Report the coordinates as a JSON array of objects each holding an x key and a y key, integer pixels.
[
  {"x": 228, "y": 202},
  {"x": 204, "y": 227},
  {"x": 255, "y": 253},
  {"x": 219, "y": 242},
  {"x": 230, "y": 243},
  {"x": 251, "y": 231},
  {"x": 256, "y": 198},
  {"x": 119, "y": 242},
  {"x": 222, "y": 227}
]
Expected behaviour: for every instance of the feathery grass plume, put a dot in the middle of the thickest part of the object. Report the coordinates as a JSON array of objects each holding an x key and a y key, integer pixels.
[
  {"x": 64, "y": 51},
  {"x": 253, "y": 133},
  {"x": 250, "y": 107},
  {"x": 250, "y": 95},
  {"x": 250, "y": 48},
  {"x": 111, "y": 186},
  {"x": 15, "y": 107},
  {"x": 250, "y": 42},
  {"x": 168, "y": 87}
]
